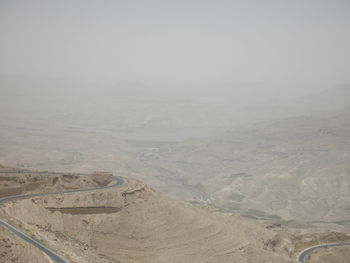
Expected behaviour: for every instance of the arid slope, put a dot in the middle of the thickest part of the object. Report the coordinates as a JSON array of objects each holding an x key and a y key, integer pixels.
[
  {"x": 133, "y": 223},
  {"x": 297, "y": 168},
  {"x": 15, "y": 250}
]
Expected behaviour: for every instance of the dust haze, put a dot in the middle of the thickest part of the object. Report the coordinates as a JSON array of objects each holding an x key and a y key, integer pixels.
[{"x": 228, "y": 120}]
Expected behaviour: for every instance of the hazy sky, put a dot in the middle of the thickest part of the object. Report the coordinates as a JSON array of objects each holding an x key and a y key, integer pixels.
[{"x": 284, "y": 41}]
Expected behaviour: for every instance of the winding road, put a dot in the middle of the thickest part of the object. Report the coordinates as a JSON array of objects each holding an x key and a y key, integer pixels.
[
  {"x": 52, "y": 255},
  {"x": 118, "y": 181},
  {"x": 303, "y": 254}
]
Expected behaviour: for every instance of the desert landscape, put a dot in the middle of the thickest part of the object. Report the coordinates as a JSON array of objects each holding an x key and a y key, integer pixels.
[
  {"x": 270, "y": 178},
  {"x": 259, "y": 191},
  {"x": 174, "y": 131},
  {"x": 131, "y": 222}
]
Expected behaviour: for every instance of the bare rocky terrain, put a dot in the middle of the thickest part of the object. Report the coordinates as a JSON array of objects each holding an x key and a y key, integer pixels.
[
  {"x": 294, "y": 169},
  {"x": 265, "y": 190},
  {"x": 175, "y": 131},
  {"x": 18, "y": 181},
  {"x": 133, "y": 223},
  {"x": 291, "y": 168},
  {"x": 330, "y": 255},
  {"x": 15, "y": 250}
]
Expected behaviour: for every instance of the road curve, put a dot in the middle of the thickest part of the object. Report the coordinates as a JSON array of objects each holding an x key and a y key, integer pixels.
[
  {"x": 53, "y": 256},
  {"x": 303, "y": 254}
]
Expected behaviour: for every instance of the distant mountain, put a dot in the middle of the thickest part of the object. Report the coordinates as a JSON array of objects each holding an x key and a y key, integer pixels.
[
  {"x": 330, "y": 99},
  {"x": 314, "y": 104}
]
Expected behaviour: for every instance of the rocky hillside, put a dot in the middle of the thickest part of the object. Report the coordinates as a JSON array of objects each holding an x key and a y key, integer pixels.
[
  {"x": 133, "y": 223},
  {"x": 295, "y": 168},
  {"x": 15, "y": 250},
  {"x": 18, "y": 181},
  {"x": 330, "y": 255}
]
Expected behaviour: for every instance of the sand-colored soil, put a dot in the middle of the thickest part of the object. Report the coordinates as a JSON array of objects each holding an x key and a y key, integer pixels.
[
  {"x": 134, "y": 223},
  {"x": 17, "y": 182},
  {"x": 330, "y": 255},
  {"x": 14, "y": 250}
]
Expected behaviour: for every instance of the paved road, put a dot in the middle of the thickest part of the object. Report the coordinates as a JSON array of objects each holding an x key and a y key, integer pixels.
[
  {"x": 54, "y": 257},
  {"x": 119, "y": 181},
  {"x": 303, "y": 254}
]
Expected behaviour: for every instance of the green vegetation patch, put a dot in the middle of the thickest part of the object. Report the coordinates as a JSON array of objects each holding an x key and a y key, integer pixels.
[
  {"x": 262, "y": 215},
  {"x": 237, "y": 175},
  {"x": 232, "y": 206},
  {"x": 273, "y": 217},
  {"x": 256, "y": 212},
  {"x": 236, "y": 197}
]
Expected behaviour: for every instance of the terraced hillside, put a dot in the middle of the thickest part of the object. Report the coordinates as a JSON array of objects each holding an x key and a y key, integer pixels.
[{"x": 134, "y": 223}]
